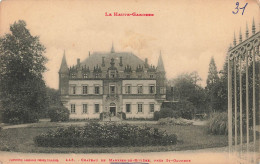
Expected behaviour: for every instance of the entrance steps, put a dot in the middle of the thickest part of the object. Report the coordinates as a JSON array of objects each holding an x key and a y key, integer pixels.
[{"x": 113, "y": 119}]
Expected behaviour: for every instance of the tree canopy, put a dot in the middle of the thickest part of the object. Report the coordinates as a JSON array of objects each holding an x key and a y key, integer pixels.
[
  {"x": 212, "y": 85},
  {"x": 185, "y": 88},
  {"x": 21, "y": 66}
]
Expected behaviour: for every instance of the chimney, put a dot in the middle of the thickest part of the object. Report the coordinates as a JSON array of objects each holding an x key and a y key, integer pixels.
[
  {"x": 103, "y": 61},
  {"x": 121, "y": 61},
  {"x": 78, "y": 62}
]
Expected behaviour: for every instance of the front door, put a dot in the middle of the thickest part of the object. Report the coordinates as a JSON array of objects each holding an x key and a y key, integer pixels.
[{"x": 113, "y": 111}]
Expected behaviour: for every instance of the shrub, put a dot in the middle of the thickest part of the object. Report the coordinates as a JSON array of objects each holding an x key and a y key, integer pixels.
[
  {"x": 186, "y": 109},
  {"x": 105, "y": 135},
  {"x": 176, "y": 114},
  {"x": 156, "y": 115},
  {"x": 174, "y": 121},
  {"x": 58, "y": 113},
  {"x": 123, "y": 115},
  {"x": 218, "y": 124},
  {"x": 101, "y": 116},
  {"x": 165, "y": 112},
  {"x": 19, "y": 114},
  {"x": 31, "y": 117}
]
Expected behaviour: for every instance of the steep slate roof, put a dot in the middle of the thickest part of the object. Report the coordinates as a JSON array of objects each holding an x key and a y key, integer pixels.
[{"x": 127, "y": 59}]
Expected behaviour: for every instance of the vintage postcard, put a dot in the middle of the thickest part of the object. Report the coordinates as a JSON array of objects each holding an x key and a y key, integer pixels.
[{"x": 129, "y": 82}]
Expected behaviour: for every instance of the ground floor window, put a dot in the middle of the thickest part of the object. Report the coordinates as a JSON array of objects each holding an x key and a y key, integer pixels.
[
  {"x": 85, "y": 108},
  {"x": 96, "y": 108},
  {"x": 128, "y": 108},
  {"x": 72, "y": 108},
  {"x": 140, "y": 107},
  {"x": 151, "y": 108}
]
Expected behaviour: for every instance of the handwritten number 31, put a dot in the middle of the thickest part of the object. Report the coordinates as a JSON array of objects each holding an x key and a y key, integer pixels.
[{"x": 237, "y": 8}]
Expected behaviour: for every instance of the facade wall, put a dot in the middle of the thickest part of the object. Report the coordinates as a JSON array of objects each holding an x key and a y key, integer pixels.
[
  {"x": 146, "y": 113},
  {"x": 91, "y": 114},
  {"x": 134, "y": 85},
  {"x": 79, "y": 85},
  {"x": 90, "y": 83}
]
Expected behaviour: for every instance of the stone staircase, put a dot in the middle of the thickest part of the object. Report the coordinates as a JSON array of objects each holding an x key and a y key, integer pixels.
[{"x": 113, "y": 119}]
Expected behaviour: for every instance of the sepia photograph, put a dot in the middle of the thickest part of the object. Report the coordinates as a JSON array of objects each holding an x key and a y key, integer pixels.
[{"x": 129, "y": 82}]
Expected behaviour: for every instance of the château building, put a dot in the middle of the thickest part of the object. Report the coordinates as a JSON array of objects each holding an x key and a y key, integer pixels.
[{"x": 112, "y": 83}]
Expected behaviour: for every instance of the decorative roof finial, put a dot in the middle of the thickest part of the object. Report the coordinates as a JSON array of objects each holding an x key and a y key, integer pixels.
[
  {"x": 112, "y": 48},
  {"x": 253, "y": 26},
  {"x": 230, "y": 47},
  {"x": 112, "y": 62},
  {"x": 247, "y": 31},
  {"x": 240, "y": 36},
  {"x": 234, "y": 41}
]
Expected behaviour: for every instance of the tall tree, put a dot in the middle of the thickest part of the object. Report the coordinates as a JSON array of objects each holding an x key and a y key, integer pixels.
[
  {"x": 22, "y": 63},
  {"x": 212, "y": 83},
  {"x": 186, "y": 89},
  {"x": 196, "y": 77},
  {"x": 212, "y": 74}
]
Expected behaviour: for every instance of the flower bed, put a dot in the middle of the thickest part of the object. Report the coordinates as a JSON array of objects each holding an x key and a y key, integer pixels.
[{"x": 107, "y": 135}]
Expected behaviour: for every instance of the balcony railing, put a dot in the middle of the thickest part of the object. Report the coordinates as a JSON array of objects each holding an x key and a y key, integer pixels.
[{"x": 112, "y": 97}]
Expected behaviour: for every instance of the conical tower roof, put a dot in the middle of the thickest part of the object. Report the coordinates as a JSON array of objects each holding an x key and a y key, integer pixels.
[
  {"x": 112, "y": 48},
  {"x": 160, "y": 65},
  {"x": 63, "y": 66}
]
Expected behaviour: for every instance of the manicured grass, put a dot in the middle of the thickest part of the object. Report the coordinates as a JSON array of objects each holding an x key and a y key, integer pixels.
[{"x": 190, "y": 138}]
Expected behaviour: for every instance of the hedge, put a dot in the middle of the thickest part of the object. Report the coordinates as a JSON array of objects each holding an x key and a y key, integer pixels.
[{"x": 107, "y": 135}]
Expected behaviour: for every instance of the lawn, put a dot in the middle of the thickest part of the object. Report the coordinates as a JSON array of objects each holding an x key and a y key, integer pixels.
[{"x": 190, "y": 138}]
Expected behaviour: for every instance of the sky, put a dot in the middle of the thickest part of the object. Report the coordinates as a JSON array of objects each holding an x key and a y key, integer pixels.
[{"x": 188, "y": 33}]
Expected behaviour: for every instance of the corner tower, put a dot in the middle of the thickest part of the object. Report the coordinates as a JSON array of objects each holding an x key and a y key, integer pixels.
[
  {"x": 160, "y": 80},
  {"x": 64, "y": 77}
]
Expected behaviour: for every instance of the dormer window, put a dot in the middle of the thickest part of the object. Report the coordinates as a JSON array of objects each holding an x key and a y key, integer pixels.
[
  {"x": 151, "y": 76},
  {"x": 112, "y": 74},
  {"x": 85, "y": 76},
  {"x": 96, "y": 75}
]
